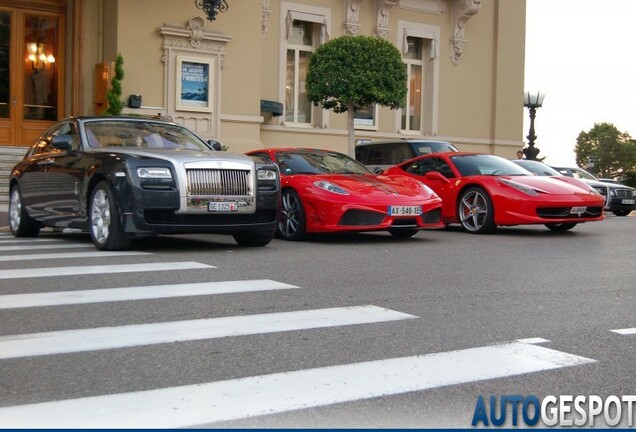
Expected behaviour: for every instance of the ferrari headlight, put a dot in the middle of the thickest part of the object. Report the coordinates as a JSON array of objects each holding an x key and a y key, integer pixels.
[
  {"x": 330, "y": 187},
  {"x": 521, "y": 188},
  {"x": 266, "y": 175},
  {"x": 426, "y": 189},
  {"x": 154, "y": 173}
]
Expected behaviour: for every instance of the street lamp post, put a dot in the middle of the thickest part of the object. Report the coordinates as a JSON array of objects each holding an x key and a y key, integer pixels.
[
  {"x": 212, "y": 7},
  {"x": 591, "y": 161},
  {"x": 532, "y": 101}
]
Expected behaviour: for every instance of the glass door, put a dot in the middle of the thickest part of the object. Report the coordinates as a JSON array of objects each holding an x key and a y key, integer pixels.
[
  {"x": 30, "y": 74},
  {"x": 7, "y": 103},
  {"x": 41, "y": 34}
]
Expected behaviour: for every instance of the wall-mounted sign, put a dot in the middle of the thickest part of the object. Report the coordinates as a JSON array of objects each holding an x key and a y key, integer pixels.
[{"x": 194, "y": 84}]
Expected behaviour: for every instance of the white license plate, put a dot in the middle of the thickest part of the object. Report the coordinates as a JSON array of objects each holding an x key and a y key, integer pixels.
[
  {"x": 629, "y": 201},
  {"x": 214, "y": 206},
  {"x": 578, "y": 210},
  {"x": 405, "y": 210}
]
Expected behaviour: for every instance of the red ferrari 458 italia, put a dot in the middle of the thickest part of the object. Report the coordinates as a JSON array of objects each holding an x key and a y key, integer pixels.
[
  {"x": 326, "y": 191},
  {"x": 482, "y": 191}
]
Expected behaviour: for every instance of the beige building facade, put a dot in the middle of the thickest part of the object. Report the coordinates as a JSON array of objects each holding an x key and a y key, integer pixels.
[{"x": 240, "y": 77}]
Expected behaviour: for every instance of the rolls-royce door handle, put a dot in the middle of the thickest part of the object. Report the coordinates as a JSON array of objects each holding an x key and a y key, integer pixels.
[{"x": 46, "y": 162}]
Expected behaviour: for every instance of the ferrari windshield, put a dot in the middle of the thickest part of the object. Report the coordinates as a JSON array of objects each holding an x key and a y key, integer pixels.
[
  {"x": 469, "y": 165},
  {"x": 141, "y": 134},
  {"x": 318, "y": 162}
]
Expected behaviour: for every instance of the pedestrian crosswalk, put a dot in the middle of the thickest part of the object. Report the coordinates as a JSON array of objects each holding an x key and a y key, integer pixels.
[
  {"x": 232, "y": 399},
  {"x": 268, "y": 394},
  {"x": 69, "y": 255},
  {"x": 100, "y": 269},
  {"x": 60, "y": 298},
  {"x": 67, "y": 341}
]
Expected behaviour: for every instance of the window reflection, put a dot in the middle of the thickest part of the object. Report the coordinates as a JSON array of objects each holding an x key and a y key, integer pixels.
[
  {"x": 412, "y": 114},
  {"x": 40, "y": 76},
  {"x": 5, "y": 44},
  {"x": 298, "y": 109}
]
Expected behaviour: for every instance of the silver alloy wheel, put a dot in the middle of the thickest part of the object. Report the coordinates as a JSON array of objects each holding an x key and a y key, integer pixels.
[
  {"x": 15, "y": 210},
  {"x": 290, "y": 222},
  {"x": 100, "y": 216},
  {"x": 473, "y": 211}
]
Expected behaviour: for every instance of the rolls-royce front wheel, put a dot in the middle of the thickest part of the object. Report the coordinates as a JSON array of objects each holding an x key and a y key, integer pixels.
[{"x": 105, "y": 222}]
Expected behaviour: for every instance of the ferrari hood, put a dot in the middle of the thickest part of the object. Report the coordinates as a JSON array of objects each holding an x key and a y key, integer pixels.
[
  {"x": 372, "y": 185},
  {"x": 549, "y": 185}
]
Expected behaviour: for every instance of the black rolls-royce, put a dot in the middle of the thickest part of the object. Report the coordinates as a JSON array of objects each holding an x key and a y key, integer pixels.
[{"x": 119, "y": 178}]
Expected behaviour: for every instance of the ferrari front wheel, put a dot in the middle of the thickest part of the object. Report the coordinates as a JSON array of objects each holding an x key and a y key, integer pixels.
[
  {"x": 476, "y": 212},
  {"x": 560, "y": 227},
  {"x": 292, "y": 220}
]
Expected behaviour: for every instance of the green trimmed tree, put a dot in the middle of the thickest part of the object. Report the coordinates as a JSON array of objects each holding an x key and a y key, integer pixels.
[
  {"x": 611, "y": 150},
  {"x": 113, "y": 95},
  {"x": 351, "y": 72}
]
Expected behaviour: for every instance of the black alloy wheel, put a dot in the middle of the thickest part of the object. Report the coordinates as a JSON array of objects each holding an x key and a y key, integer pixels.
[{"x": 292, "y": 221}]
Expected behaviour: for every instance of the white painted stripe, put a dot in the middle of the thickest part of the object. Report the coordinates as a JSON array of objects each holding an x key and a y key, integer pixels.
[
  {"x": 26, "y": 240},
  {"x": 69, "y": 255},
  {"x": 138, "y": 293},
  {"x": 102, "y": 269},
  {"x": 625, "y": 332},
  {"x": 205, "y": 403},
  {"x": 533, "y": 341},
  {"x": 67, "y": 341},
  {"x": 47, "y": 246}
]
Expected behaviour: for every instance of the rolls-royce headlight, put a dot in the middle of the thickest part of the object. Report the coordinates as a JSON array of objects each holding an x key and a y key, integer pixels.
[
  {"x": 154, "y": 173},
  {"x": 266, "y": 175}
]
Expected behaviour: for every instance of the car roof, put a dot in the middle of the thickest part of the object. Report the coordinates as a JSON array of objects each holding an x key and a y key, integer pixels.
[
  {"x": 294, "y": 149},
  {"x": 395, "y": 141},
  {"x": 453, "y": 154}
]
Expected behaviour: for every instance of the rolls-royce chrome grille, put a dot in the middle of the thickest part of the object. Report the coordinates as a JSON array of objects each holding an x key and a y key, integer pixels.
[{"x": 228, "y": 182}]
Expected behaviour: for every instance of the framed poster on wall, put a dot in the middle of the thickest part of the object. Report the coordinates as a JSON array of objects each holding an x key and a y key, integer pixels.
[{"x": 194, "y": 84}]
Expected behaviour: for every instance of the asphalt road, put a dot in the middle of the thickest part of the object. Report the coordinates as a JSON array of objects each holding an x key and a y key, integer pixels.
[{"x": 403, "y": 332}]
